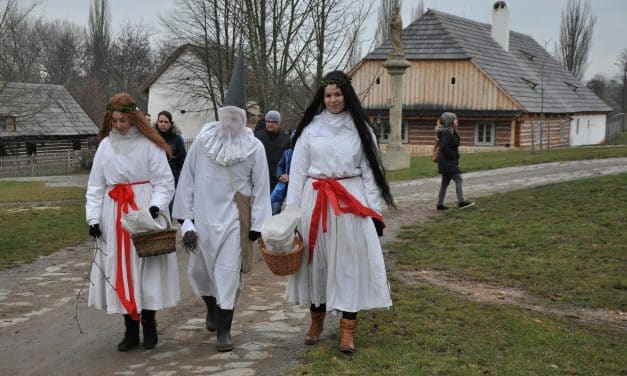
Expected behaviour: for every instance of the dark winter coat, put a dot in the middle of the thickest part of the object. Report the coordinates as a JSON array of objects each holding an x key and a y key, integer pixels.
[
  {"x": 448, "y": 162},
  {"x": 275, "y": 144},
  {"x": 176, "y": 143}
]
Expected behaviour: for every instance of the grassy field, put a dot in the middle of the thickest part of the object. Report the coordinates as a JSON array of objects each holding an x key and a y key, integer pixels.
[
  {"x": 423, "y": 166},
  {"x": 33, "y": 230},
  {"x": 22, "y": 191},
  {"x": 565, "y": 244}
]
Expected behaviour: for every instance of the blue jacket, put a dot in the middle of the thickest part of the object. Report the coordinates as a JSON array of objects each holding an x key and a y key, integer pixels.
[{"x": 283, "y": 167}]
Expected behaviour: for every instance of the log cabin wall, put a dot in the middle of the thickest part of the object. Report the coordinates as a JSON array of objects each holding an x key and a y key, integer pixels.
[
  {"x": 555, "y": 131},
  {"x": 432, "y": 83},
  {"x": 421, "y": 134},
  {"x": 43, "y": 146}
]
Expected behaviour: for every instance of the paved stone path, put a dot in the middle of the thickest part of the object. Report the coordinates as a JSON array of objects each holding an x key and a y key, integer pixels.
[{"x": 39, "y": 335}]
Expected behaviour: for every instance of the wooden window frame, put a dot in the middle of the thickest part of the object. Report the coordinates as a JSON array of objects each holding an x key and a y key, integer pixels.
[
  {"x": 385, "y": 126},
  {"x": 485, "y": 125}
]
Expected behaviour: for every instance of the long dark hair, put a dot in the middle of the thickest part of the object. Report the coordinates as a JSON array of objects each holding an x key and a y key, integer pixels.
[{"x": 353, "y": 106}]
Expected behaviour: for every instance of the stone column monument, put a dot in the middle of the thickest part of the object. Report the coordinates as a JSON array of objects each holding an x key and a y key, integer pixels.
[{"x": 395, "y": 157}]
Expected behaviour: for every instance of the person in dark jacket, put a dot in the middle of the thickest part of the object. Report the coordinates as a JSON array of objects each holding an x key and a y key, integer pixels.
[
  {"x": 448, "y": 160},
  {"x": 167, "y": 129},
  {"x": 275, "y": 141}
]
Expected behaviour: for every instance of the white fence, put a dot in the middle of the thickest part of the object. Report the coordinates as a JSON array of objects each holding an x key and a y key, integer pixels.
[{"x": 46, "y": 164}]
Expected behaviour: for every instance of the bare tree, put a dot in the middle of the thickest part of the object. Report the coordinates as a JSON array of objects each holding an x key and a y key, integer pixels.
[
  {"x": 63, "y": 52},
  {"x": 273, "y": 32},
  {"x": 20, "y": 42},
  {"x": 99, "y": 40},
  {"x": 337, "y": 26},
  {"x": 208, "y": 27},
  {"x": 417, "y": 11},
  {"x": 576, "y": 36},
  {"x": 282, "y": 39},
  {"x": 610, "y": 90},
  {"x": 131, "y": 60}
]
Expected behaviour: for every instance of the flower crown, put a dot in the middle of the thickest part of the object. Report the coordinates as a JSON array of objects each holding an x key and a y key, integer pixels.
[
  {"x": 129, "y": 108},
  {"x": 341, "y": 82}
]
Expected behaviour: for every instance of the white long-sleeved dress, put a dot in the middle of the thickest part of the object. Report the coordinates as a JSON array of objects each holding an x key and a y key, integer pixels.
[
  {"x": 206, "y": 195},
  {"x": 347, "y": 272},
  {"x": 130, "y": 158}
]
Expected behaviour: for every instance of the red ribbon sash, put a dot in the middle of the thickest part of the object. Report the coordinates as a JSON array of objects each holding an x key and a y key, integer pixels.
[
  {"x": 330, "y": 191},
  {"x": 124, "y": 196}
]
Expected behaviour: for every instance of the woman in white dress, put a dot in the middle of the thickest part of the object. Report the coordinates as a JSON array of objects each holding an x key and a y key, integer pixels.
[
  {"x": 337, "y": 181},
  {"x": 130, "y": 171}
]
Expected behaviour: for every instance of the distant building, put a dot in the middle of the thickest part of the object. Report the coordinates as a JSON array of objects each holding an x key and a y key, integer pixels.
[
  {"x": 41, "y": 118},
  {"x": 167, "y": 91},
  {"x": 507, "y": 90}
]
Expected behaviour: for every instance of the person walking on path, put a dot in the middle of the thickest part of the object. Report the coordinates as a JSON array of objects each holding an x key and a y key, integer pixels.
[
  {"x": 130, "y": 171},
  {"x": 225, "y": 162},
  {"x": 275, "y": 142},
  {"x": 448, "y": 160},
  {"x": 337, "y": 183}
]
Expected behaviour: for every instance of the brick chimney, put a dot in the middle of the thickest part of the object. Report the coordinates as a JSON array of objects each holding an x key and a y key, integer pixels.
[{"x": 500, "y": 24}]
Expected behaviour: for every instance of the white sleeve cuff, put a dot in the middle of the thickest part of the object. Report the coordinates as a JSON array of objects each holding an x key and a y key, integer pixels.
[{"x": 187, "y": 225}]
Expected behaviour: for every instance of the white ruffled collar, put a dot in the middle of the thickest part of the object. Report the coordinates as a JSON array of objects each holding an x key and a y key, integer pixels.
[
  {"x": 124, "y": 143},
  {"x": 225, "y": 148}
]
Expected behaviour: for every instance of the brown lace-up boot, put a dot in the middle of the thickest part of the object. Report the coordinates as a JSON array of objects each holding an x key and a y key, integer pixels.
[
  {"x": 347, "y": 330},
  {"x": 315, "y": 328}
]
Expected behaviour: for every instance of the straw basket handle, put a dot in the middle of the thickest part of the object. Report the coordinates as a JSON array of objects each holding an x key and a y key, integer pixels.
[{"x": 168, "y": 222}]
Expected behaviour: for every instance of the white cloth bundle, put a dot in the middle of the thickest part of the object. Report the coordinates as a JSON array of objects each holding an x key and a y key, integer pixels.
[
  {"x": 278, "y": 230},
  {"x": 139, "y": 221}
]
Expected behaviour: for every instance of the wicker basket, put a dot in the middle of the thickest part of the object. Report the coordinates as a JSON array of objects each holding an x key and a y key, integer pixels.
[
  {"x": 154, "y": 243},
  {"x": 284, "y": 263}
]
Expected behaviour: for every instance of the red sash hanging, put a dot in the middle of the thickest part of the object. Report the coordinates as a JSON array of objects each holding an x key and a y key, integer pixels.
[
  {"x": 330, "y": 191},
  {"x": 124, "y": 196}
]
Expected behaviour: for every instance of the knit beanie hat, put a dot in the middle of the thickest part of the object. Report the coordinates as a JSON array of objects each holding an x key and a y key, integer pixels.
[
  {"x": 447, "y": 118},
  {"x": 273, "y": 116}
]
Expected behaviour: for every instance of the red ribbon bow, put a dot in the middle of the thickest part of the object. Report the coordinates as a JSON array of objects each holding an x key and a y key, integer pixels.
[
  {"x": 124, "y": 196},
  {"x": 330, "y": 191}
]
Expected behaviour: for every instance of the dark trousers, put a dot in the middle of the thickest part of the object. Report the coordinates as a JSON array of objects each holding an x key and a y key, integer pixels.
[{"x": 446, "y": 179}]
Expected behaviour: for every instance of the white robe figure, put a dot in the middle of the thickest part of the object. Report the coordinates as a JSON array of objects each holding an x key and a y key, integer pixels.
[
  {"x": 205, "y": 194},
  {"x": 129, "y": 158},
  {"x": 347, "y": 271}
]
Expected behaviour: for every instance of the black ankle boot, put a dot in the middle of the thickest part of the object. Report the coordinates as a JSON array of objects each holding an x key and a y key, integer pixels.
[
  {"x": 223, "y": 340},
  {"x": 131, "y": 334},
  {"x": 211, "y": 320},
  {"x": 150, "y": 329}
]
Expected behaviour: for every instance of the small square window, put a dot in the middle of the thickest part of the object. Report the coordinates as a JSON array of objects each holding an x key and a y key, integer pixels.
[
  {"x": 385, "y": 131},
  {"x": 9, "y": 123},
  {"x": 484, "y": 134}
]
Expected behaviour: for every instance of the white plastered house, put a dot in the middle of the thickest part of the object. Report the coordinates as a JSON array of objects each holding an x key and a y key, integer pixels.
[{"x": 169, "y": 89}]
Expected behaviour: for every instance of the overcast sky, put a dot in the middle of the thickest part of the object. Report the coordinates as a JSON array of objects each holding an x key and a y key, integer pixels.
[{"x": 538, "y": 18}]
